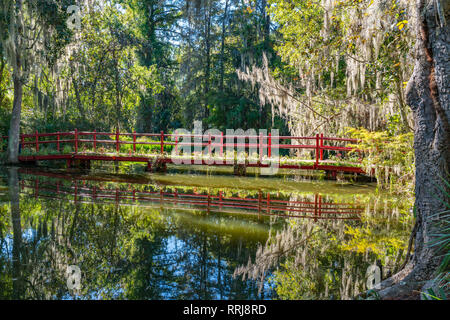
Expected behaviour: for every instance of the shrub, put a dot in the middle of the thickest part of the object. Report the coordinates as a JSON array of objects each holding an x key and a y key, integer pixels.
[{"x": 391, "y": 158}]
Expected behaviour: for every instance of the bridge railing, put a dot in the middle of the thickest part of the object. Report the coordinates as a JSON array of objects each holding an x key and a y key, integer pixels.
[
  {"x": 262, "y": 205},
  {"x": 265, "y": 144}
]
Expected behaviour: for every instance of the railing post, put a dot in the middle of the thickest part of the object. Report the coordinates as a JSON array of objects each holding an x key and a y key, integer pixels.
[
  {"x": 259, "y": 201},
  {"x": 162, "y": 142},
  {"x": 317, "y": 149},
  {"x": 321, "y": 146},
  {"x": 95, "y": 140},
  {"x": 57, "y": 142},
  {"x": 134, "y": 140},
  {"x": 176, "y": 143},
  {"x": 315, "y": 207},
  {"x": 268, "y": 203},
  {"x": 319, "y": 211},
  {"x": 209, "y": 202},
  {"x": 269, "y": 148},
  {"x": 76, "y": 140},
  {"x": 37, "y": 141},
  {"x": 117, "y": 140}
]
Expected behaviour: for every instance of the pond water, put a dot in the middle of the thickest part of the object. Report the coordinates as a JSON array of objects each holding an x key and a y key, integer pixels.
[{"x": 192, "y": 235}]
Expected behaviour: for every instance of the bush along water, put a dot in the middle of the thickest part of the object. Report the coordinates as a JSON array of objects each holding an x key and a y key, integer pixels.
[{"x": 389, "y": 158}]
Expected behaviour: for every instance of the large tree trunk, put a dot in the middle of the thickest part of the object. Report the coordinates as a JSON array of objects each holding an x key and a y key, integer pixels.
[
  {"x": 16, "y": 62},
  {"x": 428, "y": 95},
  {"x": 14, "y": 128}
]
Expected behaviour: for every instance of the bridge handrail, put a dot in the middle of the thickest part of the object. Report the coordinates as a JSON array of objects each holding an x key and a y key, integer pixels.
[{"x": 262, "y": 141}]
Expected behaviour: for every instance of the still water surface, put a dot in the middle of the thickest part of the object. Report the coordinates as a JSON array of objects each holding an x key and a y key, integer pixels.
[{"x": 192, "y": 235}]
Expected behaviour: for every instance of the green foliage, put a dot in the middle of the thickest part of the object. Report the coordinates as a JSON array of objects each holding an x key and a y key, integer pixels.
[
  {"x": 143, "y": 149},
  {"x": 440, "y": 241},
  {"x": 390, "y": 158},
  {"x": 67, "y": 149},
  {"x": 293, "y": 283}
]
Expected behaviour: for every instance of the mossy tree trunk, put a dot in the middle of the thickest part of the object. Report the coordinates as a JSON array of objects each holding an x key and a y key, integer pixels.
[{"x": 428, "y": 95}]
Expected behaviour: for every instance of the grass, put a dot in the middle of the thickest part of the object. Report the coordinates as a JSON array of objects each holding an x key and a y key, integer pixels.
[{"x": 441, "y": 242}]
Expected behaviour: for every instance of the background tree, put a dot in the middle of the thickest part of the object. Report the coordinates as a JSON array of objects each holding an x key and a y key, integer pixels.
[{"x": 33, "y": 33}]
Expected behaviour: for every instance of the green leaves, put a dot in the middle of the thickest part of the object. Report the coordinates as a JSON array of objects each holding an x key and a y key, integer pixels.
[{"x": 391, "y": 157}]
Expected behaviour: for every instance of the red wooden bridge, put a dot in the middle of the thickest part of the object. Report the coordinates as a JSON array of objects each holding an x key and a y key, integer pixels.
[
  {"x": 63, "y": 187},
  {"x": 106, "y": 146}
]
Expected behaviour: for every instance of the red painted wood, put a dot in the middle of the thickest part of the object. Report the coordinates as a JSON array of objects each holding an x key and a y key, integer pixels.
[
  {"x": 320, "y": 205},
  {"x": 117, "y": 140},
  {"x": 314, "y": 209},
  {"x": 176, "y": 144},
  {"x": 37, "y": 141},
  {"x": 76, "y": 140},
  {"x": 321, "y": 146},
  {"x": 317, "y": 149}
]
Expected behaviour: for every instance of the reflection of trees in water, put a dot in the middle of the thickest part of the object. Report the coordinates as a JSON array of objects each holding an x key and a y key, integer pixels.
[
  {"x": 122, "y": 251},
  {"x": 324, "y": 259},
  {"x": 208, "y": 270},
  {"x": 127, "y": 251},
  {"x": 17, "y": 280}
]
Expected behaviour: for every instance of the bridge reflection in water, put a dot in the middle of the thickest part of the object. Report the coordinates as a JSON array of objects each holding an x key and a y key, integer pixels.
[{"x": 64, "y": 187}]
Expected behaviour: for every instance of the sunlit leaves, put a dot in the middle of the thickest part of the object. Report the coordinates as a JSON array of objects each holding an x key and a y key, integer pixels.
[
  {"x": 402, "y": 24},
  {"x": 390, "y": 157}
]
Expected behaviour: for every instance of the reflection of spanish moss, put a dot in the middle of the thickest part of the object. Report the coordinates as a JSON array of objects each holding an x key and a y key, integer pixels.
[{"x": 291, "y": 240}]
